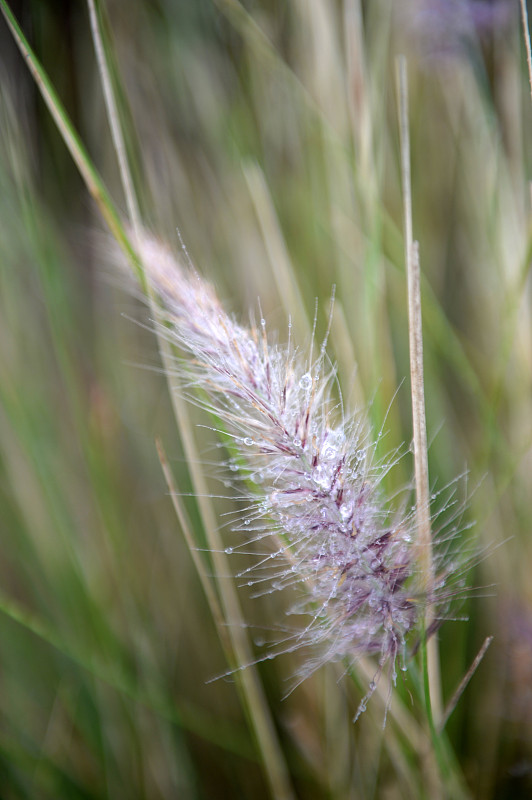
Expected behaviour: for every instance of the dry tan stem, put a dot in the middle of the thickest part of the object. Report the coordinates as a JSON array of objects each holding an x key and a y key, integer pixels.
[
  {"x": 453, "y": 702},
  {"x": 418, "y": 394},
  {"x": 182, "y": 516},
  {"x": 526, "y": 34}
]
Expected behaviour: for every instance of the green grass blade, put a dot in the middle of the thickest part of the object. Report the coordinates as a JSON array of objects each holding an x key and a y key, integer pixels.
[{"x": 76, "y": 148}]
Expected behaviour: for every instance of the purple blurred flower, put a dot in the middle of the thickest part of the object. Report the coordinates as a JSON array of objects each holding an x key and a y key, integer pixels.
[{"x": 446, "y": 27}]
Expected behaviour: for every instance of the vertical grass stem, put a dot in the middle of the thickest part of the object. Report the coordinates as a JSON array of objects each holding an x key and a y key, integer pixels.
[
  {"x": 114, "y": 119},
  {"x": 526, "y": 35},
  {"x": 418, "y": 394}
]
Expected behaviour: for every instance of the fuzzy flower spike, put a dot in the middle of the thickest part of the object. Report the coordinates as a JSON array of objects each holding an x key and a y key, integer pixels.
[{"x": 317, "y": 510}]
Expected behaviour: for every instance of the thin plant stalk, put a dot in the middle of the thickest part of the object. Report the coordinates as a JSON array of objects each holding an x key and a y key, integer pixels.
[
  {"x": 453, "y": 702},
  {"x": 114, "y": 120},
  {"x": 184, "y": 522},
  {"x": 526, "y": 35},
  {"x": 79, "y": 155},
  {"x": 418, "y": 400},
  {"x": 276, "y": 248}
]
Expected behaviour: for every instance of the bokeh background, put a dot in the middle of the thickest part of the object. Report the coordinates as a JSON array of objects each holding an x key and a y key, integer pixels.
[{"x": 266, "y": 131}]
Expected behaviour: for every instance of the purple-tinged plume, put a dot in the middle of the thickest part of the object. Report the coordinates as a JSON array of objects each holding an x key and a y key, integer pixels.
[
  {"x": 316, "y": 513},
  {"x": 447, "y": 28}
]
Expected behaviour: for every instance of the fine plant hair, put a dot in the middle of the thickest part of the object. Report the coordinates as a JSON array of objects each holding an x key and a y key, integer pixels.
[{"x": 316, "y": 517}]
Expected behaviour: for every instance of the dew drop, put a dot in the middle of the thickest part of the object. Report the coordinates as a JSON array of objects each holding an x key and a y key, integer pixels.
[
  {"x": 250, "y": 583},
  {"x": 233, "y": 467},
  {"x": 263, "y": 322},
  {"x": 228, "y": 550},
  {"x": 345, "y": 511},
  {"x": 248, "y": 441},
  {"x": 322, "y": 477},
  {"x": 246, "y": 522},
  {"x": 296, "y": 442},
  {"x": 372, "y": 686},
  {"x": 306, "y": 381},
  {"x": 329, "y": 452}
]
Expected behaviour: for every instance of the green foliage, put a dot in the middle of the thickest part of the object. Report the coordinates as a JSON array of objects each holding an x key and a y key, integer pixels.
[{"x": 267, "y": 132}]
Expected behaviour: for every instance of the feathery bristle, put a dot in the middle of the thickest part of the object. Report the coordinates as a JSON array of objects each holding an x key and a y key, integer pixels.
[{"x": 317, "y": 501}]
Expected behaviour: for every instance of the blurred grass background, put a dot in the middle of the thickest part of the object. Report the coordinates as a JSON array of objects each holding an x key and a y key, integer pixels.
[{"x": 266, "y": 131}]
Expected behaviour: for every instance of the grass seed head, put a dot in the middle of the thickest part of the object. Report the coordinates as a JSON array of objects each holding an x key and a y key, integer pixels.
[{"x": 311, "y": 477}]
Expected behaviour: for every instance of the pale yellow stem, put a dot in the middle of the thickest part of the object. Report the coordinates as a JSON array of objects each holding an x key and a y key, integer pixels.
[{"x": 418, "y": 394}]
